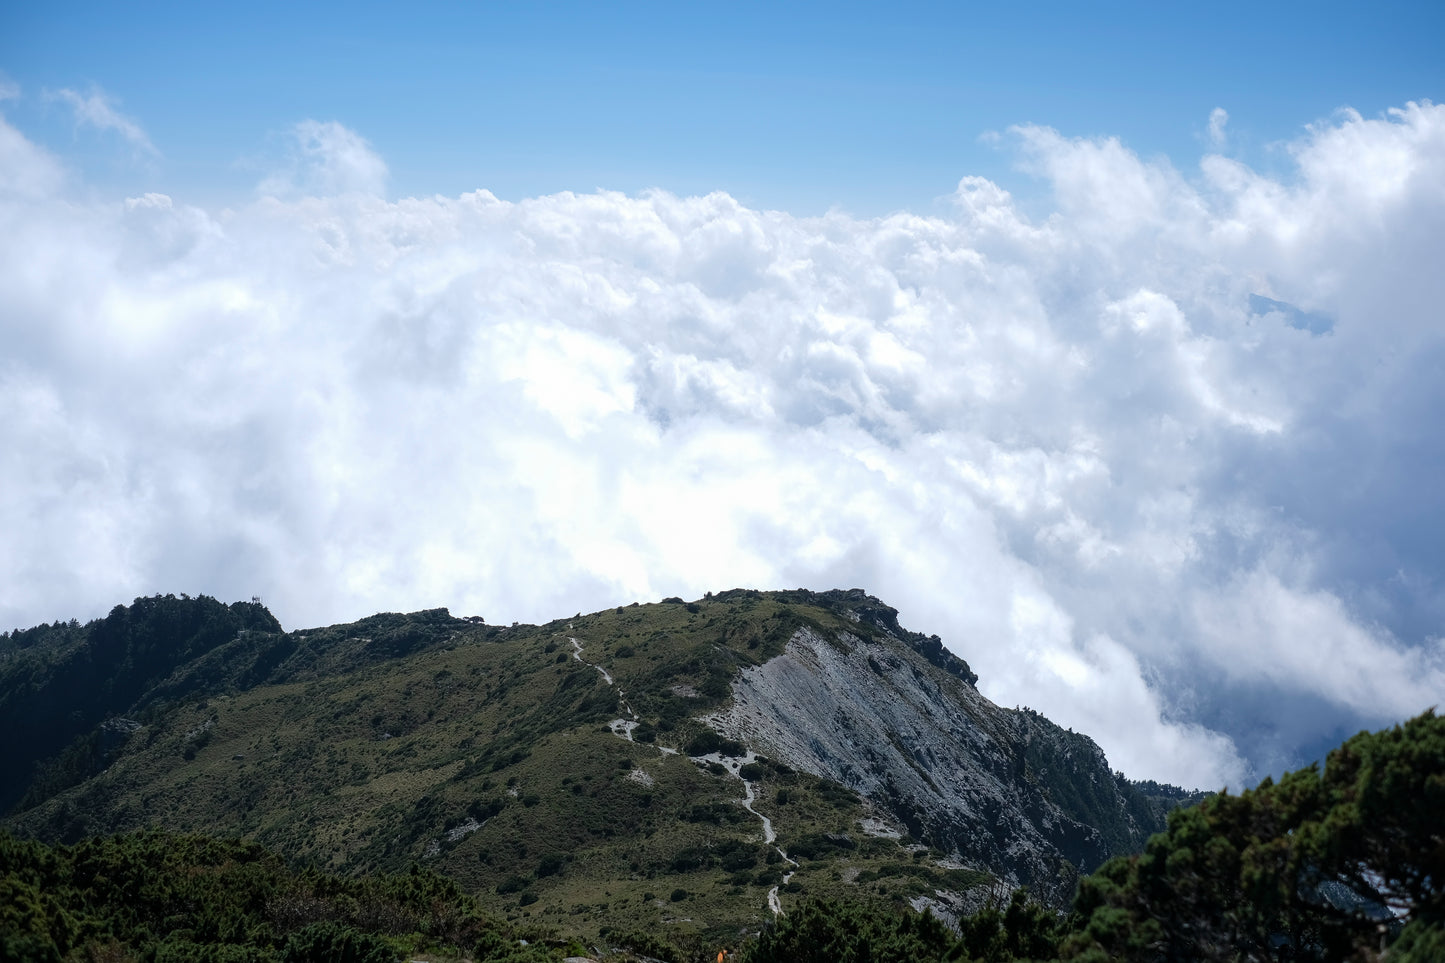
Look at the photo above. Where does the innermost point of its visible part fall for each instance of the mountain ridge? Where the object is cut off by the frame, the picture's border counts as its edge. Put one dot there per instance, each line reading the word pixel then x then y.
pixel 594 761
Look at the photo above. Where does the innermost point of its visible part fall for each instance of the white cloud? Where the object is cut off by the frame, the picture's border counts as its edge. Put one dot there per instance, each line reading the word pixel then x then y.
pixel 95 109
pixel 326 159
pixel 1258 628
pixel 1068 445
pixel 26 170
pixel 1218 136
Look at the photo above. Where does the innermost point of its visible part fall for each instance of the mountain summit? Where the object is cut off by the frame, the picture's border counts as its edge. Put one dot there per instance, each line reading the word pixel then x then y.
pixel 696 765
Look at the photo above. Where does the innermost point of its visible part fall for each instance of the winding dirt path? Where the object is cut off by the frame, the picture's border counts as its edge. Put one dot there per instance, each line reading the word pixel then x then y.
pixel 623 729
pixel 775 904
pixel 734 765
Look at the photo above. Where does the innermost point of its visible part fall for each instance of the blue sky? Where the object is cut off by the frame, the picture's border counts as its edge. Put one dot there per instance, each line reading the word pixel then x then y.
pixel 1102 340
pixel 868 107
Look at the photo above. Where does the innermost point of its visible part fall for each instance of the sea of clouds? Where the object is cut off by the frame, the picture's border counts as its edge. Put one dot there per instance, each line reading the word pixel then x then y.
pixel 1164 462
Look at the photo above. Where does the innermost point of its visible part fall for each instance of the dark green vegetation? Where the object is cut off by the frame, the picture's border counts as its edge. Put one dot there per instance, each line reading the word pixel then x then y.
pixel 163 897
pixel 486 753
pixel 829 932
pixel 1344 863
pixel 1329 863
pixel 478 751
pixel 59 682
pixel 502 763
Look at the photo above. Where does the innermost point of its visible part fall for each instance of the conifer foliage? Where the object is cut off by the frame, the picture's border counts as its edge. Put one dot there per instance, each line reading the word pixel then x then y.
pixel 830 932
pixel 1340 862
pixel 1323 865
pixel 167 897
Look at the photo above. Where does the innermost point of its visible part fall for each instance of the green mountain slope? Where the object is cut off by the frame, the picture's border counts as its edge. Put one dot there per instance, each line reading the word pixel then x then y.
pixel 59 682
pixel 593 771
pixel 1343 862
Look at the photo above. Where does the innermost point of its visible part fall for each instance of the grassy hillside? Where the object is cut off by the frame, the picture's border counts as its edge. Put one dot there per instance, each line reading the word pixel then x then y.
pixel 469 783
pixel 488 754
pixel 560 769
pixel 1343 862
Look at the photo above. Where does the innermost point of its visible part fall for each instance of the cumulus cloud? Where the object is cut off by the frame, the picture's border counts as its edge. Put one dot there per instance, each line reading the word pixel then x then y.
pixel 96 109
pixel 1257 628
pixel 1099 452
pixel 26 170
pixel 1218 136
pixel 325 159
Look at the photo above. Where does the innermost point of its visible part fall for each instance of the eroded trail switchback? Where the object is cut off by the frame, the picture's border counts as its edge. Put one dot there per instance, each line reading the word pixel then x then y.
pixel 623 729
pixel 734 765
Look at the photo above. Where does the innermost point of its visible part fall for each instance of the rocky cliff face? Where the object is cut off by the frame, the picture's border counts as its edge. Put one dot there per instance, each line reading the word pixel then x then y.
pixel 1003 789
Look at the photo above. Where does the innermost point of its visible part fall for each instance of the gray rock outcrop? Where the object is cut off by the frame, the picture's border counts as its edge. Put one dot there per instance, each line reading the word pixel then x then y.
pixel 1005 790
